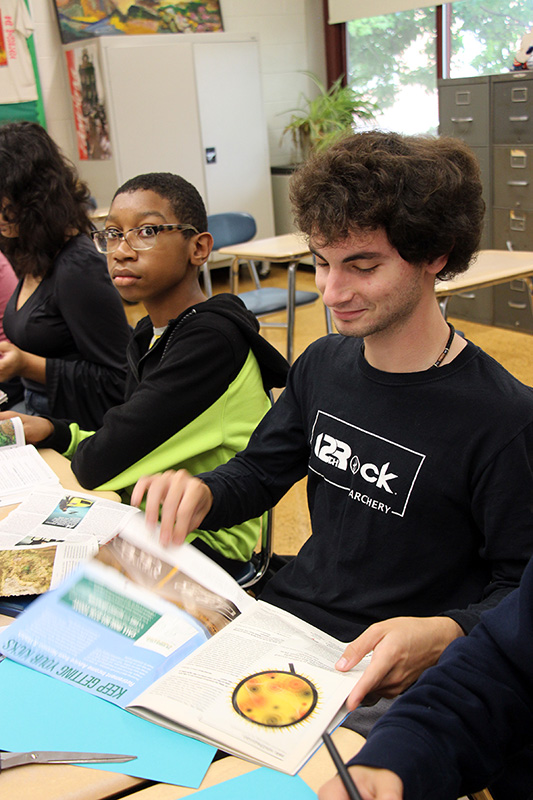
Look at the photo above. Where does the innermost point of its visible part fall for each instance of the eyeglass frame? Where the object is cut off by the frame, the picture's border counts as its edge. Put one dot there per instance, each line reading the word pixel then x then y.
pixel 122 236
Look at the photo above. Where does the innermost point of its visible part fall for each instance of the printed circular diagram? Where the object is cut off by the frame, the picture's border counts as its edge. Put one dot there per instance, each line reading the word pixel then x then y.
pixel 275 698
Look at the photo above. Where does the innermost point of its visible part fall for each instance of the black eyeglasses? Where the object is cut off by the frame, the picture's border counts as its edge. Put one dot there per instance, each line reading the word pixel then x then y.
pixel 141 238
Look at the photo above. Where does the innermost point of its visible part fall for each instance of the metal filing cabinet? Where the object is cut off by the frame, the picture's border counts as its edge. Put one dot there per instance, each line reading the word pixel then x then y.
pixel 464 112
pixel 494 115
pixel 512 161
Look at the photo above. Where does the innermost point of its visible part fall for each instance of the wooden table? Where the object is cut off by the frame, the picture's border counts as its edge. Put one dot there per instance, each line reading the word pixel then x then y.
pixel 317 771
pixel 63 782
pixel 489 269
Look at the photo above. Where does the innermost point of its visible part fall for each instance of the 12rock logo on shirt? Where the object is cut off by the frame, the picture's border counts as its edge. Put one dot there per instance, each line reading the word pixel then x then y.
pixel 373 470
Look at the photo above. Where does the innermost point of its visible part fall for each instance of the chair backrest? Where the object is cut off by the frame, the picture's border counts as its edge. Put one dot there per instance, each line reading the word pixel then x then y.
pixel 256 568
pixel 231 227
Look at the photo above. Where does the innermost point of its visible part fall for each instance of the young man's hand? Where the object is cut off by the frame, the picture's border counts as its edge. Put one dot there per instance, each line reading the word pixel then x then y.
pixel 373 784
pixel 403 648
pixel 182 500
pixel 36 429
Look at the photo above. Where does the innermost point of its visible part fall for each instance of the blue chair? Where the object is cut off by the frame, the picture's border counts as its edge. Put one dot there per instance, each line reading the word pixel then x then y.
pixel 226 229
pixel 234 228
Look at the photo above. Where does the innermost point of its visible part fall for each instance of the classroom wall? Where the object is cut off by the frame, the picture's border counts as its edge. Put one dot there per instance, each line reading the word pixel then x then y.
pixel 291 40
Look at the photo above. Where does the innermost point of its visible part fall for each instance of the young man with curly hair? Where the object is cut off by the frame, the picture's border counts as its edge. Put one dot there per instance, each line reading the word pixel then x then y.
pixel 417 446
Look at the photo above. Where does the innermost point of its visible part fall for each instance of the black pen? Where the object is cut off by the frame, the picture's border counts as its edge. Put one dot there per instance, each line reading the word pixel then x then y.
pixel 342 769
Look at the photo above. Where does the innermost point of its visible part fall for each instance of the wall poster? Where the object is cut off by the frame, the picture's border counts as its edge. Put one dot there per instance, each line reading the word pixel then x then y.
pixel 82 19
pixel 86 87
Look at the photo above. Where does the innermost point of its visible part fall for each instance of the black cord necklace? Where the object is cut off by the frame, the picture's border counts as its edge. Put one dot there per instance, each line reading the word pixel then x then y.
pixel 446 350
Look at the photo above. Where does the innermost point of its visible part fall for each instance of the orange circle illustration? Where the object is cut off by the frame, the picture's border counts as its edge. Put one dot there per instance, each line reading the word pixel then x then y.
pixel 275 698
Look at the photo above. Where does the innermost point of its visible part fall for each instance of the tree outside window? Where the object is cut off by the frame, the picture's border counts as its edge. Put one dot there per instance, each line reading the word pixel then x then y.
pixel 393 58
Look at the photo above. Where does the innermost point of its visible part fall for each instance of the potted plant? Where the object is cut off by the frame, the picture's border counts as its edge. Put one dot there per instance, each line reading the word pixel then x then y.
pixel 323 118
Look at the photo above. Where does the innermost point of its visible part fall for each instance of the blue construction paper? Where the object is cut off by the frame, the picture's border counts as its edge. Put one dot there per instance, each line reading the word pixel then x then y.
pixel 39 712
pixel 260 784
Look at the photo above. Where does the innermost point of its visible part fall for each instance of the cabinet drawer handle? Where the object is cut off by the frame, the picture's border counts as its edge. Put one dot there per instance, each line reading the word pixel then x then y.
pixel 519 306
pixel 462 119
pixel 517 183
pixel 467 295
pixel 519 119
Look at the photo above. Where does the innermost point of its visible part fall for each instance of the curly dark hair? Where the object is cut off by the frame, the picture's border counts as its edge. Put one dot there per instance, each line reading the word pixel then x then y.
pixel 184 198
pixel 425 192
pixel 41 194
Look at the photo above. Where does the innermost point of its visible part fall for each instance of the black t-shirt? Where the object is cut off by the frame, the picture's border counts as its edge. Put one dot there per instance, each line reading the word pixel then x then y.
pixel 75 319
pixel 419 487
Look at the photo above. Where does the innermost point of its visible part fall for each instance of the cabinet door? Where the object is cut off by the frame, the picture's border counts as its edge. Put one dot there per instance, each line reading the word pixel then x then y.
pixel 512 229
pixel 512 306
pixel 233 131
pixel 464 110
pixel 153 108
pixel 476 306
pixel 512 110
pixel 513 176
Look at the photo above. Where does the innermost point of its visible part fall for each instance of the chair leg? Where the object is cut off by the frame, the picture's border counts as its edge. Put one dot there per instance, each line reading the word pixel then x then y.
pixel 253 274
pixel 291 308
pixel 208 286
pixel 329 322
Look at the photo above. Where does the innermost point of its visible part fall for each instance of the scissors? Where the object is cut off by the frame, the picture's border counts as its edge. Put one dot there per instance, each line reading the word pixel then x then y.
pixel 8 760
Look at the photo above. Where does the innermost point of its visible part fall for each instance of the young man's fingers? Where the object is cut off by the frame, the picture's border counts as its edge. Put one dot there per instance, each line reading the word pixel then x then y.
pixel 358 649
pixel 186 502
pixel 370 681
pixel 139 490
pixel 193 505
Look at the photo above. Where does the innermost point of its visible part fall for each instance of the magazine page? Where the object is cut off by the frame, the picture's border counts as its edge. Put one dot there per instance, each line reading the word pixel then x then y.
pixel 22 469
pixel 121 620
pixel 34 569
pixel 265 688
pixel 50 533
pixel 58 514
pixel 12 432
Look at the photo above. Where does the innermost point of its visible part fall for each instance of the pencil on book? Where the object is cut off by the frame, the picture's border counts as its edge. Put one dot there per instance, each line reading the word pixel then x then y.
pixel 342 769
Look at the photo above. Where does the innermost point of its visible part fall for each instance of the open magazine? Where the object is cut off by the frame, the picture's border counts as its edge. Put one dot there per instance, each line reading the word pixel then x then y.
pixel 22 468
pixel 168 635
pixel 50 533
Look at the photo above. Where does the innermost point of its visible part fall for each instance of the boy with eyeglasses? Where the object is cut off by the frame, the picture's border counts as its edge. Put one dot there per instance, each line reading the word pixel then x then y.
pixel 198 370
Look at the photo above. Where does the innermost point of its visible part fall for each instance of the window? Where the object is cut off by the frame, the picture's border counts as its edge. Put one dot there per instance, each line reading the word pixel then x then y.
pixel 392 59
pixel 486 34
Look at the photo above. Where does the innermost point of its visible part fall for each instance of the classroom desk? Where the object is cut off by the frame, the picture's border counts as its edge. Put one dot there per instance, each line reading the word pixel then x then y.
pixel 489 269
pixel 289 248
pixel 317 771
pixel 63 782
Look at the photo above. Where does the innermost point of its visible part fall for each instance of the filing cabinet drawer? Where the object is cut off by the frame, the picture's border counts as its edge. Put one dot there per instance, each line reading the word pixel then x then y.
pixel 514 226
pixel 476 306
pixel 464 110
pixel 512 109
pixel 512 306
pixel 513 176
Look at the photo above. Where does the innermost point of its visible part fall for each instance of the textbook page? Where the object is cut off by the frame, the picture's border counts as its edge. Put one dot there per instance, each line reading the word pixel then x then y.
pixel 265 688
pixel 21 470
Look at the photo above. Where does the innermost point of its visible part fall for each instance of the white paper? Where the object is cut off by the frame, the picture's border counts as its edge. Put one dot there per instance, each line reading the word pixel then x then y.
pixel 21 470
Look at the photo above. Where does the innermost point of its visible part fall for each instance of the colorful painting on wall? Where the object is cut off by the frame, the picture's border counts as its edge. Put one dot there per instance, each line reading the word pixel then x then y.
pixel 81 19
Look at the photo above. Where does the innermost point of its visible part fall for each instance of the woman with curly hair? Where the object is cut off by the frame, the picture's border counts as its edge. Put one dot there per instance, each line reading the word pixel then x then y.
pixel 65 322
